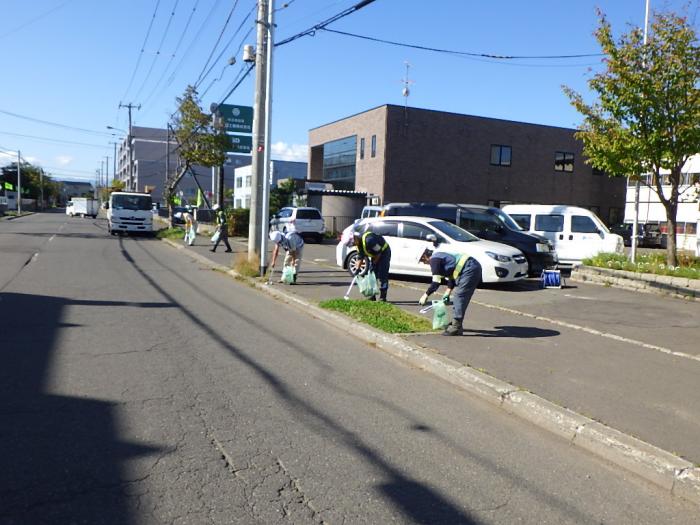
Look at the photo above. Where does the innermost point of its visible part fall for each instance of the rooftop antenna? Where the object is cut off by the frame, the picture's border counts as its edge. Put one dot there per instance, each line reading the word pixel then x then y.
pixel 406 92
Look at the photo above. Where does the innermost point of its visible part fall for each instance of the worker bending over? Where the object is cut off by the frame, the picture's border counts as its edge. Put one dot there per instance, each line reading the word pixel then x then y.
pixel 461 274
pixel 293 245
pixel 375 248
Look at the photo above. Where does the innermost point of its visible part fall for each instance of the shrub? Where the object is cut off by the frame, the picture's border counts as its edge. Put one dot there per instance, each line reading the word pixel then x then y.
pixel 238 220
pixel 688 265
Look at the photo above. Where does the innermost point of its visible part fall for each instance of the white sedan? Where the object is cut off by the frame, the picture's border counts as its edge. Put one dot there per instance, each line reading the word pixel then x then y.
pixel 408 237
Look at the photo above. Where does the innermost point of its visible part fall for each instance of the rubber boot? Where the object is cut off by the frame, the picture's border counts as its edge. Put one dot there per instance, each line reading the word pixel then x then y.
pixel 382 294
pixel 454 328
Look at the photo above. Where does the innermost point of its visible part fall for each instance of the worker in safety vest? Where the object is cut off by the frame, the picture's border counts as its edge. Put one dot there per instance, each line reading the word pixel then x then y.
pixel 461 274
pixel 375 248
pixel 293 245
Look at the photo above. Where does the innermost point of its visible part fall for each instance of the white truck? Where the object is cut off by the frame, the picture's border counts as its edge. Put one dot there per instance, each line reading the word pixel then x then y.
pixel 130 213
pixel 82 207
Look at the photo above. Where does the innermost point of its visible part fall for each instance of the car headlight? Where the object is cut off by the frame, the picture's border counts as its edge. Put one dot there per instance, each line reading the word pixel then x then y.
pixel 542 247
pixel 498 257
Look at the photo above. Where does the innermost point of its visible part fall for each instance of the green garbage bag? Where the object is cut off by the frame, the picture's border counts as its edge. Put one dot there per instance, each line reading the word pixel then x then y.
pixel 440 317
pixel 288 274
pixel 368 284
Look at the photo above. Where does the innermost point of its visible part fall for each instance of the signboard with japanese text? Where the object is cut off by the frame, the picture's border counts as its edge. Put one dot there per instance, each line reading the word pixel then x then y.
pixel 240 143
pixel 237 119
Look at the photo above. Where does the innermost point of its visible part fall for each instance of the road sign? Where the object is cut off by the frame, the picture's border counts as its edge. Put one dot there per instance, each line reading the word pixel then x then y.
pixel 237 119
pixel 240 143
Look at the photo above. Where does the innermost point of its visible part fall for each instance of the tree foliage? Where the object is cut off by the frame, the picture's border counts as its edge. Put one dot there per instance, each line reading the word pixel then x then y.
pixel 199 141
pixel 647 114
pixel 34 180
pixel 281 195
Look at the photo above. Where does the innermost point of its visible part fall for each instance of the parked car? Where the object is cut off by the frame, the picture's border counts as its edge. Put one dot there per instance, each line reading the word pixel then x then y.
pixel 577 233
pixel 306 221
pixel 408 238
pixel 492 224
pixel 371 211
pixel 487 223
pixel 624 230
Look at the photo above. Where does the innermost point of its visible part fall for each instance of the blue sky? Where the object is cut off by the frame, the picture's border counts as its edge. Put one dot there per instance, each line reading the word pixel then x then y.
pixel 71 62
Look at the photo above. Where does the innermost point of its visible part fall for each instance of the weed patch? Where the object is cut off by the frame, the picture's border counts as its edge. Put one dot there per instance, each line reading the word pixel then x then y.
pixel 383 316
pixel 245 267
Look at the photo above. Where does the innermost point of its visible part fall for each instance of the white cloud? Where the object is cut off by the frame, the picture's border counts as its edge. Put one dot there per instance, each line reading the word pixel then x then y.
pixel 63 160
pixel 284 151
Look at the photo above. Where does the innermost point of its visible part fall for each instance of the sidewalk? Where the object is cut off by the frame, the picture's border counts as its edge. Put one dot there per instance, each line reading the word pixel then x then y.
pixel 609 371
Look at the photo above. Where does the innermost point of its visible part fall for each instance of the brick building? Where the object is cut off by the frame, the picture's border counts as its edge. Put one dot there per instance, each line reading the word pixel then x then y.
pixel 398 154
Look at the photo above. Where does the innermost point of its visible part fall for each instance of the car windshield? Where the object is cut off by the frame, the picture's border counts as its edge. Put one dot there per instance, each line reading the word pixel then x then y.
pixel 505 219
pixel 453 232
pixel 131 202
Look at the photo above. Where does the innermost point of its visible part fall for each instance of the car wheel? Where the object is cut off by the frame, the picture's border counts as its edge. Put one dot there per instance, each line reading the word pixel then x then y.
pixel 356 265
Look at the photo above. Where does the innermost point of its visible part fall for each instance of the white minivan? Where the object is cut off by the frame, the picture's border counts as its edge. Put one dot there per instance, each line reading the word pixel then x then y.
pixel 577 233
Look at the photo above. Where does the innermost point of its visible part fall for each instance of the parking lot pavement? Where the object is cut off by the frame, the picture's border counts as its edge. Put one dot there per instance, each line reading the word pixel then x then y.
pixel 628 360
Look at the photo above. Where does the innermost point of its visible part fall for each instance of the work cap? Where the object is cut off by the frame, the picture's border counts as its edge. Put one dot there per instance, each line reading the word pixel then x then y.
pixel 275 236
pixel 215 207
pixel 428 253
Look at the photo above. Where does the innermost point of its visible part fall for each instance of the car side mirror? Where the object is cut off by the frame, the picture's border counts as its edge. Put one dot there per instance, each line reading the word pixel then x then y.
pixel 432 238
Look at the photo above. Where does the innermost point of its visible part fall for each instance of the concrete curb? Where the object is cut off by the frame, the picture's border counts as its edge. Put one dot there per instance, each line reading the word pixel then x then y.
pixel 681 288
pixel 673 474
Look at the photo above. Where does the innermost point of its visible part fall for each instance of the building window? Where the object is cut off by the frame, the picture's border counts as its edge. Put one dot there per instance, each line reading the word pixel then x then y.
pixel 247 202
pixel 238 203
pixel 500 155
pixel 339 157
pixel 374 146
pixel 362 148
pixel 248 181
pixel 563 161
pixel 239 182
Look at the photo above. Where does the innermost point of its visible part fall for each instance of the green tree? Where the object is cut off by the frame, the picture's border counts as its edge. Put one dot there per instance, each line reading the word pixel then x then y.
pixel 281 195
pixel 647 114
pixel 198 140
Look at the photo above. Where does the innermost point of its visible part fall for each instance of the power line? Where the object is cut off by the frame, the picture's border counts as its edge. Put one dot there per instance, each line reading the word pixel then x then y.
pixel 143 47
pixel 191 44
pixel 213 64
pixel 36 19
pixel 47 139
pixel 321 25
pixel 160 46
pixel 170 60
pixel 461 53
pixel 48 123
pixel 216 44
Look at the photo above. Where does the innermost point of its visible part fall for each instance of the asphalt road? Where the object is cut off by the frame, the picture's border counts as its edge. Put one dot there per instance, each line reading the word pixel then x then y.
pixel 138 387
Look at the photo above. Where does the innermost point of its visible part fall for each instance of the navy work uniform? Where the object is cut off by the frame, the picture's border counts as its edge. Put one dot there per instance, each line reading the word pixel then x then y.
pixel 461 274
pixel 375 247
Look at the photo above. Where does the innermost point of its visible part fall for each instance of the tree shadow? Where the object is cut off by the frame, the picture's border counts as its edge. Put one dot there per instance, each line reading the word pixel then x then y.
pixel 415 500
pixel 61 455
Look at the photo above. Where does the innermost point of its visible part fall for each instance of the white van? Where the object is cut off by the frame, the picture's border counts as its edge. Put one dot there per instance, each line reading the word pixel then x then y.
pixel 576 233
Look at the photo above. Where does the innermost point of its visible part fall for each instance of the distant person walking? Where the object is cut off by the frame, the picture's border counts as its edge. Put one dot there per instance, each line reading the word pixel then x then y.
pixel 375 248
pixel 293 245
pixel 461 274
pixel 221 228
pixel 190 227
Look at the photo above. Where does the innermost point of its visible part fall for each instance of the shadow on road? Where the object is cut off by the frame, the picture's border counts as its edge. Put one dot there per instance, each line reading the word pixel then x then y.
pixel 520 332
pixel 61 455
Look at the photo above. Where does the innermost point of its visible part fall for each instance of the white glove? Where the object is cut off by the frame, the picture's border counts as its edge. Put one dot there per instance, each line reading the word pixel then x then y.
pixel 423 299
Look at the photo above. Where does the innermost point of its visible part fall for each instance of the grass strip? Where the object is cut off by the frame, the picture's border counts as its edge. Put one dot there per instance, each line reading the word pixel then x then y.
pixel 383 316
pixel 171 233
pixel 688 265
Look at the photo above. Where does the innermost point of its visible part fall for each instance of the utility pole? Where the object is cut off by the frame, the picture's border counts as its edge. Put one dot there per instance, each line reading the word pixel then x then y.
pixel 635 222
pixel 106 179
pixel 258 222
pixel 132 183
pixel 41 188
pixel 19 183
pixel 167 162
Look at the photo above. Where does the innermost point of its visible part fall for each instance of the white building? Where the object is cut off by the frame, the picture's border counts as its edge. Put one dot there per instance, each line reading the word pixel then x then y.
pixel 279 170
pixel 651 211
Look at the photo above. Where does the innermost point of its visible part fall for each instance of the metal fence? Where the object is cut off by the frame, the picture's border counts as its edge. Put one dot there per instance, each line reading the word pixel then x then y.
pixel 337 223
